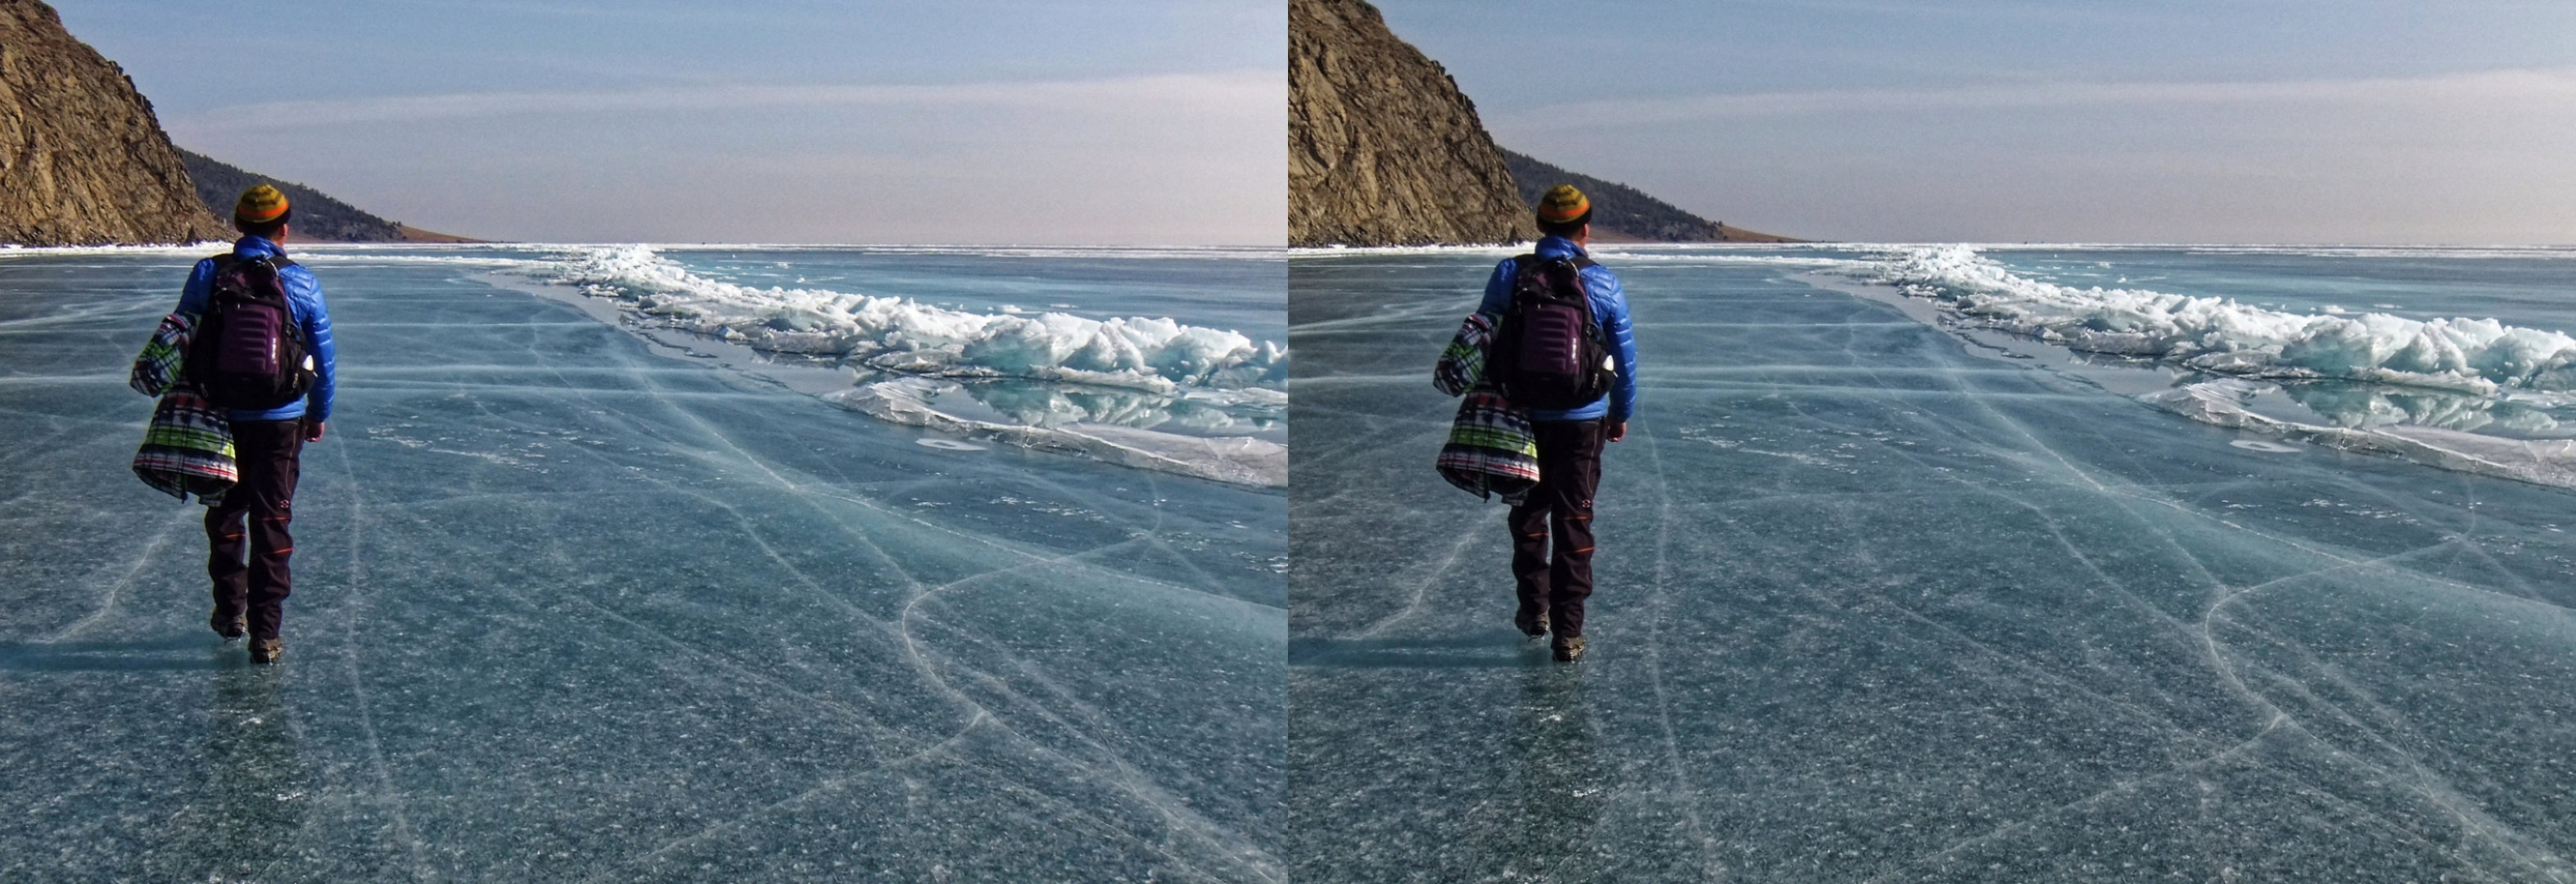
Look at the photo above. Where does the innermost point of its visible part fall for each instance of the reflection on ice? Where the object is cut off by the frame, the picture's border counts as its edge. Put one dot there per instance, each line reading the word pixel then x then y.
pixel 2374 422
pixel 1053 405
pixel 2358 405
pixel 1109 426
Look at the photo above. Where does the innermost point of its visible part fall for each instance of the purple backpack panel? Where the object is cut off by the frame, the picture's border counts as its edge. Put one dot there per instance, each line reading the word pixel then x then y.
pixel 249 353
pixel 1549 350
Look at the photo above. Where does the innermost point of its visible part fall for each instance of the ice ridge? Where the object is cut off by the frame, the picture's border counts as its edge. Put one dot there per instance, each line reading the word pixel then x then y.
pixel 897 334
pixel 2478 356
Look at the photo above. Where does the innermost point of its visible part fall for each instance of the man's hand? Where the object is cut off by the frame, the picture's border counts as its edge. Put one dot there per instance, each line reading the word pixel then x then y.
pixel 1618 431
pixel 312 431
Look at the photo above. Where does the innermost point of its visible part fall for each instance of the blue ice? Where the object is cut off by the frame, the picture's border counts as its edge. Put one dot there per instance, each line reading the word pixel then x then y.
pixel 572 605
pixel 1881 602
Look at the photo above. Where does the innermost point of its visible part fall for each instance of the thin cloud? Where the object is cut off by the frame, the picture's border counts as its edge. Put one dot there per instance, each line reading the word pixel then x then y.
pixel 2537 88
pixel 1224 91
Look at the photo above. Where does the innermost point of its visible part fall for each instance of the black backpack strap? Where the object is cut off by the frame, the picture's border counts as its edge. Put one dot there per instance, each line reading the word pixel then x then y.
pixel 1531 265
pixel 1523 267
pixel 1578 262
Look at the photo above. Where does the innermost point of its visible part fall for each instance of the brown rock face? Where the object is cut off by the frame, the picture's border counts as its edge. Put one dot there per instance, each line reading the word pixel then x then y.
pixel 1382 147
pixel 82 159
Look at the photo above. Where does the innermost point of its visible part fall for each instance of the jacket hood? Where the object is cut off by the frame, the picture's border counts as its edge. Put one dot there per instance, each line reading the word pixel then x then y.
pixel 1553 246
pixel 257 247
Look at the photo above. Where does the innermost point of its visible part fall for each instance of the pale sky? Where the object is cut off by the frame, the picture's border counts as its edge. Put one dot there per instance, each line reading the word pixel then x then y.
pixel 990 121
pixel 2296 121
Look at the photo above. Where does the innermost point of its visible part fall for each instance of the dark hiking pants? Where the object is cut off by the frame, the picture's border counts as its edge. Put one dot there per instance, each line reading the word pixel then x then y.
pixel 1557 580
pixel 251 576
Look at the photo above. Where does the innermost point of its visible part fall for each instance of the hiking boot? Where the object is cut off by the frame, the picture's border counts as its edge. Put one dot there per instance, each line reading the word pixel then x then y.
pixel 267 650
pixel 1531 622
pixel 230 626
pixel 1569 650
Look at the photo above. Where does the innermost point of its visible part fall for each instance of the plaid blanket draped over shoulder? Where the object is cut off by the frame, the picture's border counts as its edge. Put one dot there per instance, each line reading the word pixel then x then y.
pixel 1462 363
pixel 1491 450
pixel 188 447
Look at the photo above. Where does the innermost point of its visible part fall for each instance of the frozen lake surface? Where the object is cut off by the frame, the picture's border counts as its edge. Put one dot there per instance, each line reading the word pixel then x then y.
pixel 574 604
pixel 1887 594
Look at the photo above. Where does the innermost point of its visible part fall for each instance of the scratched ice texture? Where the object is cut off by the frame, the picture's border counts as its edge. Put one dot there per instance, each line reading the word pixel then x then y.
pixel 572 606
pixel 1886 597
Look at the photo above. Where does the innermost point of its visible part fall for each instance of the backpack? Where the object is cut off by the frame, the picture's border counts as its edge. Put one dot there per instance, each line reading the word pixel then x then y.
pixel 248 351
pixel 1548 352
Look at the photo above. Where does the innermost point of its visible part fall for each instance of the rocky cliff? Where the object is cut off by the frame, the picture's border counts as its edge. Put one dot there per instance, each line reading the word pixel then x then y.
pixel 82 159
pixel 1382 147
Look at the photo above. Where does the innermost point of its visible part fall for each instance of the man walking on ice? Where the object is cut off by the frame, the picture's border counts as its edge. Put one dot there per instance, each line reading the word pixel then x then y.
pixel 1563 350
pixel 262 351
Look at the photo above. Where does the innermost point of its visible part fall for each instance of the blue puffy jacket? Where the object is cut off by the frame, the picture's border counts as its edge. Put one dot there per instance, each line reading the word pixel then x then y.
pixel 1609 308
pixel 304 299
